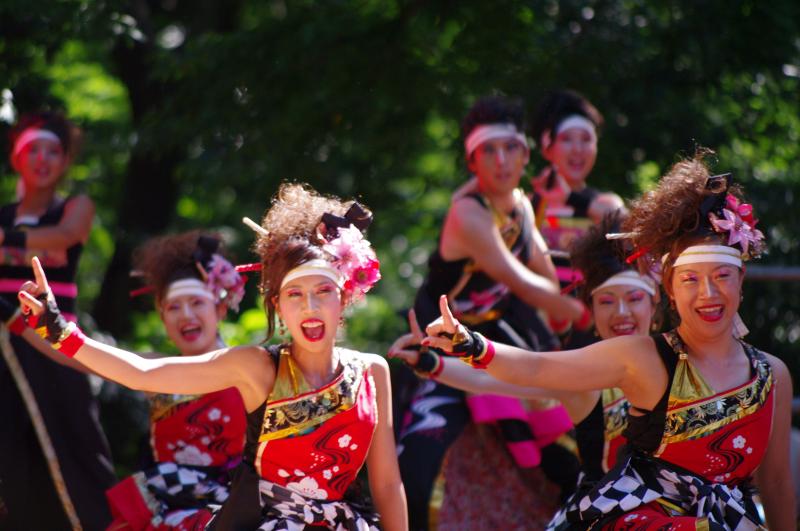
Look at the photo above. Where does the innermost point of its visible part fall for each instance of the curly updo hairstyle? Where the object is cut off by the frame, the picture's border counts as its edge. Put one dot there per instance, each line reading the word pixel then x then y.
pixel 558 105
pixel 668 219
pixel 596 257
pixel 292 237
pixel 67 132
pixel 165 259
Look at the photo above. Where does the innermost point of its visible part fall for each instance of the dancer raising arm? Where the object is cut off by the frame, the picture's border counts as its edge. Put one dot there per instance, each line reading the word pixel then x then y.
pixel 622 301
pixel 195 440
pixel 709 413
pixel 316 412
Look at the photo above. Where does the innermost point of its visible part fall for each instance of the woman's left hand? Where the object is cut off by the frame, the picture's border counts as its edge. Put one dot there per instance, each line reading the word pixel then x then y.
pixel 30 294
pixel 406 347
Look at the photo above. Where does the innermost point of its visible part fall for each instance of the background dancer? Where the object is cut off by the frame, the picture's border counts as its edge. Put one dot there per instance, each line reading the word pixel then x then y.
pixel 489 251
pixel 195 440
pixel 710 414
pixel 54 459
pixel 566 128
pixel 623 302
pixel 316 412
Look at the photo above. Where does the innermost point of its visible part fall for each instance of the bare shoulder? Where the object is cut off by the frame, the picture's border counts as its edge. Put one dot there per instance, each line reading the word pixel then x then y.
pixel 81 203
pixel 779 369
pixel 372 361
pixel 466 212
pixel 624 345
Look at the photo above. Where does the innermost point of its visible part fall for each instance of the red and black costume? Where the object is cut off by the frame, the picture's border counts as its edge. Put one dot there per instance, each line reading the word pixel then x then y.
pixel 304 449
pixel 196 441
pixel 691 459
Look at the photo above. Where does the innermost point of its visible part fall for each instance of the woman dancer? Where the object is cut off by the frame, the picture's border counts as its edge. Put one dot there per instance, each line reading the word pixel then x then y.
pixel 54 459
pixel 622 301
pixel 492 261
pixel 566 128
pixel 316 412
pixel 709 413
pixel 196 440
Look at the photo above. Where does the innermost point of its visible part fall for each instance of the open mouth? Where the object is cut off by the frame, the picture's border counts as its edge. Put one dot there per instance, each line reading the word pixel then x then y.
pixel 191 332
pixel 711 313
pixel 624 329
pixel 313 329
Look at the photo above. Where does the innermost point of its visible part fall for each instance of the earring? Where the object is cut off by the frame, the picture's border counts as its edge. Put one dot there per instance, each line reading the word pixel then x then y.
pixel 281 327
pixel 672 304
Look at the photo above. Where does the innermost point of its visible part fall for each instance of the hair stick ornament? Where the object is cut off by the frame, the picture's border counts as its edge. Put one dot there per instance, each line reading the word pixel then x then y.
pixel 255 226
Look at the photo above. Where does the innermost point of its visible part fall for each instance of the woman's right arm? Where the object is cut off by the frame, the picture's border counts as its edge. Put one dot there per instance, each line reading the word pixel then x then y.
pixel 474 234
pixel 457 374
pixel 630 363
pixel 228 367
pixel 244 367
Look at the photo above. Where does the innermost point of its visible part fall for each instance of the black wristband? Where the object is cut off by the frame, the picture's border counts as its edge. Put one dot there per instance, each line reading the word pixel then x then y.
pixel 51 319
pixel 427 361
pixel 15 238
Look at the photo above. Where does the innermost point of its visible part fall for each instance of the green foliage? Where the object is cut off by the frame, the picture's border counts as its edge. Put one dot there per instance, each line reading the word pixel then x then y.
pixel 365 99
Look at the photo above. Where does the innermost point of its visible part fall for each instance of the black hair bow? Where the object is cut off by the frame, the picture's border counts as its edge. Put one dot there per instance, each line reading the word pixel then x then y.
pixel 206 247
pixel 718 186
pixel 356 215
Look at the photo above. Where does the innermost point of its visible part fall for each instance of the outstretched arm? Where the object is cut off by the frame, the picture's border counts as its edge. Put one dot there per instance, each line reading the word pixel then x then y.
pixel 241 367
pixel 457 374
pixel 630 363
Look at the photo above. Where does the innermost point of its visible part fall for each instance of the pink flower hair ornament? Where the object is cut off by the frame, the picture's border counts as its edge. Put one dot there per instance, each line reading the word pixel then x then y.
pixel 737 220
pixel 353 257
pixel 225 282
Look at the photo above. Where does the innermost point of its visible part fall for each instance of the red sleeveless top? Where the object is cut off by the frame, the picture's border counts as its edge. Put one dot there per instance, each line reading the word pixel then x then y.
pixel 314 441
pixel 198 430
pixel 721 436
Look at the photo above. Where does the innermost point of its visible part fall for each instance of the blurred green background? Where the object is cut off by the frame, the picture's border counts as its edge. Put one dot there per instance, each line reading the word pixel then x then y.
pixel 194 112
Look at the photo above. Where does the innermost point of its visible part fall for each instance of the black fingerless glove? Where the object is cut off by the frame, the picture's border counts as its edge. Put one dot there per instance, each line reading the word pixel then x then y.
pixel 471 347
pixel 63 335
pixel 429 364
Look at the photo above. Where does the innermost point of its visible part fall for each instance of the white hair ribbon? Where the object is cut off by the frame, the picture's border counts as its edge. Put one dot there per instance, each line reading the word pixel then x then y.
pixel 317 266
pixel 573 121
pixel 486 132
pixel 628 278
pixel 697 254
pixel 188 286
pixel 30 135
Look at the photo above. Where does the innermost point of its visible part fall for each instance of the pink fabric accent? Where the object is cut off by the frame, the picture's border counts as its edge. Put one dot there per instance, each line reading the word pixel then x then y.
pixel 567 274
pixel 525 453
pixel 491 408
pixel 61 289
pixel 549 424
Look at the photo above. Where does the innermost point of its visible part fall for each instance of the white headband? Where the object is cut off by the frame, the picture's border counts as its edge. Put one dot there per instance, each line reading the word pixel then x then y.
pixel 188 286
pixel 573 121
pixel 697 254
pixel 317 266
pixel 628 278
pixel 482 133
pixel 30 135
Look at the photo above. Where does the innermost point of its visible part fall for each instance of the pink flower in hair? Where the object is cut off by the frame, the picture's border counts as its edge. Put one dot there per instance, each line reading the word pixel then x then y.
pixel 226 284
pixel 739 231
pixel 355 259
